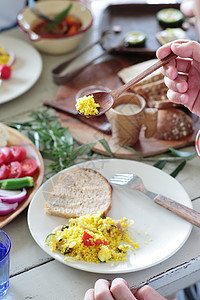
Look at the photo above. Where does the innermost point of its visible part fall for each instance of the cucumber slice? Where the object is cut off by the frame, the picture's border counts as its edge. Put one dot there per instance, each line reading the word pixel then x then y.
pixel 135 39
pixel 170 17
pixel 49 238
pixel 104 254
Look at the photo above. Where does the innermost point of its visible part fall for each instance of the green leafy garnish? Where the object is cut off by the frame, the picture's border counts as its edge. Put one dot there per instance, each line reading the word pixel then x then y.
pixel 55 142
pixel 183 154
pixel 58 19
pixel 178 169
pixel 160 164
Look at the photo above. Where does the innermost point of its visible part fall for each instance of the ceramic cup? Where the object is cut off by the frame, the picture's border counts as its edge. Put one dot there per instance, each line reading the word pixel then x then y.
pixel 5 246
pixel 127 121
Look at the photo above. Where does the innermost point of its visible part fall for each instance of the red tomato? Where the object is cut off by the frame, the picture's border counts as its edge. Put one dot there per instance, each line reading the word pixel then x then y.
pixel 4 172
pixel 87 239
pixel 18 153
pixel 2 158
pixel 100 242
pixel 15 169
pixel 8 154
pixel 29 167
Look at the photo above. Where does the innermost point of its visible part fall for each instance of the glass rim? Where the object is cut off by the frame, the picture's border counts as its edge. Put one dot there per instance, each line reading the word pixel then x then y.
pixel 9 244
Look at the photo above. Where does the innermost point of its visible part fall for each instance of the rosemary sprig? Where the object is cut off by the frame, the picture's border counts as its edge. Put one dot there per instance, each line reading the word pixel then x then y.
pixel 54 142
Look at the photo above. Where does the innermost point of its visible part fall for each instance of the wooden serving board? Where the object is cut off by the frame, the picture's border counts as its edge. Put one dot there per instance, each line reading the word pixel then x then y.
pixel 105 74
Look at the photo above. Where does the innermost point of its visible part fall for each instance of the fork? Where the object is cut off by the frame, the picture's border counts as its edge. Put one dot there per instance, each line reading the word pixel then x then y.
pixel 135 182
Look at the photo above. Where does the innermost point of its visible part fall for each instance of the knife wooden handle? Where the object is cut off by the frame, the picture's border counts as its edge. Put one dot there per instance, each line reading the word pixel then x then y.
pixel 181 210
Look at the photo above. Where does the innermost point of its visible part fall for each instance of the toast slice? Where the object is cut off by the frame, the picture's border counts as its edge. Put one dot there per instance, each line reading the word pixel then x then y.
pixel 79 192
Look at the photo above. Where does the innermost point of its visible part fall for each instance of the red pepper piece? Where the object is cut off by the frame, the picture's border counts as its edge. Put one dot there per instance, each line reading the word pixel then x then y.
pixel 87 239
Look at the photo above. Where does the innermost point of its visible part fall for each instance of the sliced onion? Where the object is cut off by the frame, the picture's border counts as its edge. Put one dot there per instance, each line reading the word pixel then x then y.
pixel 6 193
pixel 6 208
pixel 12 58
pixel 12 198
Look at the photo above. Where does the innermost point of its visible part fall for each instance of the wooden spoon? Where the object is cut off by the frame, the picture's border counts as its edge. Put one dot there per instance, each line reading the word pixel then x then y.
pixel 106 99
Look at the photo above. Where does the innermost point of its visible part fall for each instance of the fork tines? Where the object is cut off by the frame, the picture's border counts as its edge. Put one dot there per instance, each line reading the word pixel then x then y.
pixel 121 178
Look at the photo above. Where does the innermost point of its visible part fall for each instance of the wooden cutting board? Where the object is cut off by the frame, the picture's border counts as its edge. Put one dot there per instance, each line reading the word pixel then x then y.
pixel 105 74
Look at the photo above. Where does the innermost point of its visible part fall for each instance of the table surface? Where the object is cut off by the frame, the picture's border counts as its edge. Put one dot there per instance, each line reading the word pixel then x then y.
pixel 34 274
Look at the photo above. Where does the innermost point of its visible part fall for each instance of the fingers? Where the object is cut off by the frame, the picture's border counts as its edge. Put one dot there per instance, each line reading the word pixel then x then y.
pixel 166 49
pixel 177 98
pixel 89 295
pixel 182 48
pixel 148 293
pixel 179 85
pixel 188 50
pixel 102 290
pixel 120 290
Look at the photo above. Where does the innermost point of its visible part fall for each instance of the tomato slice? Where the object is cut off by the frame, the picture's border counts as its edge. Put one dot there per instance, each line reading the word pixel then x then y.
pixel 8 154
pixel 15 169
pixel 2 158
pixel 29 167
pixel 4 172
pixel 87 239
pixel 18 153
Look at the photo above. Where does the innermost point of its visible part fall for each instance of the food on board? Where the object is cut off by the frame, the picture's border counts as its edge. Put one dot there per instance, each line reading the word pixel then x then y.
pixel 152 88
pixel 15 164
pixel 78 192
pixel 4 136
pixel 16 183
pixel 173 124
pixel 93 238
pixel 170 17
pixel 135 39
pixel 87 106
pixel 13 192
pixel 6 208
pixel 171 34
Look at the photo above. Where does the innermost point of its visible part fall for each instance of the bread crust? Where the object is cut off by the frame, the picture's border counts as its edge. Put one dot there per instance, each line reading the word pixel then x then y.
pixel 78 192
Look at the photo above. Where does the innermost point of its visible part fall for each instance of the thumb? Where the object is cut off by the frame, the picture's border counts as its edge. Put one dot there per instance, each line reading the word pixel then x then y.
pixel 189 49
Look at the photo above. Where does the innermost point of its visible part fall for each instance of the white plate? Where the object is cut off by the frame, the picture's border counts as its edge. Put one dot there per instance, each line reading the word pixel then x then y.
pixel 25 71
pixel 167 231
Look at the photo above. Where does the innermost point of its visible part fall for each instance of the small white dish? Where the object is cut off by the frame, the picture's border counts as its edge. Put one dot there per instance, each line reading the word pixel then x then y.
pixel 25 71
pixel 55 44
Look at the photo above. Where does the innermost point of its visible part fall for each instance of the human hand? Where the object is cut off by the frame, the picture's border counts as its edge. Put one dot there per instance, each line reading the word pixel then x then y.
pixel 187 7
pixel 183 88
pixel 119 290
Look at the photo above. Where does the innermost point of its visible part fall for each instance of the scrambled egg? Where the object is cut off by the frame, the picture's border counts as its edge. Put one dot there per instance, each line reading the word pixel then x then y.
pixel 87 106
pixel 93 239
pixel 4 57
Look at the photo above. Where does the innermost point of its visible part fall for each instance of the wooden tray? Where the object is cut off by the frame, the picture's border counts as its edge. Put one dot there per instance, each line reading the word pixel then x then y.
pixel 105 74
pixel 139 17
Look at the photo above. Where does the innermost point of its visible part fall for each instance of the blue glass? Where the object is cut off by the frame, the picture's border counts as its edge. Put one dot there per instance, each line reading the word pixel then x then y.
pixel 5 246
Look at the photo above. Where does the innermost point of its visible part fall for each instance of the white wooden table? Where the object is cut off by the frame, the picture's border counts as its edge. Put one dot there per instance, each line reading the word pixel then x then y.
pixel 34 274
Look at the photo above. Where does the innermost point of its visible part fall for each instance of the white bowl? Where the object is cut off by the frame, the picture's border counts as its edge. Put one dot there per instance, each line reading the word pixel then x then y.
pixel 56 44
